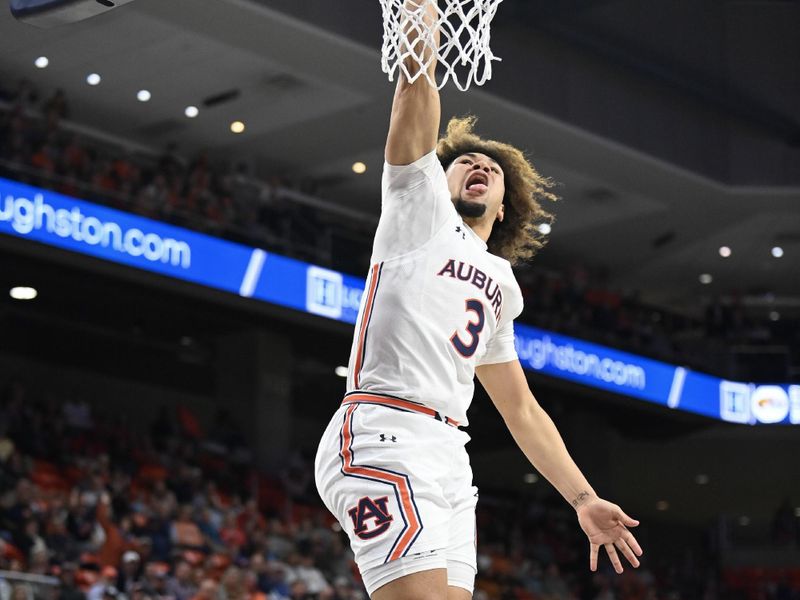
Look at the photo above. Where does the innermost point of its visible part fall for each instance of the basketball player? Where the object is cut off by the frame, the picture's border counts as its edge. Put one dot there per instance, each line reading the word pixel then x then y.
pixel 438 308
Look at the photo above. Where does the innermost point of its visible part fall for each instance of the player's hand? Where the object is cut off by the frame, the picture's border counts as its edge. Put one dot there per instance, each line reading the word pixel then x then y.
pixel 605 524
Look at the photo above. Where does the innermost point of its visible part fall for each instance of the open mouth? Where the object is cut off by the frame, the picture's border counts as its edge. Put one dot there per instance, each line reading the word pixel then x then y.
pixel 477 182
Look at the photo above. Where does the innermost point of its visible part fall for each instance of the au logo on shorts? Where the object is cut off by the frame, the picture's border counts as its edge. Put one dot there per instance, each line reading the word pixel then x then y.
pixel 370 517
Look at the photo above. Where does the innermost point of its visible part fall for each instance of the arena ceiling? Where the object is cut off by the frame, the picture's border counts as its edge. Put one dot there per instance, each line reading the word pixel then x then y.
pixel 671 128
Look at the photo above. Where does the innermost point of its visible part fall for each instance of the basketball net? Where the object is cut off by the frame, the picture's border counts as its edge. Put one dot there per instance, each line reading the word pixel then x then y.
pixel 463 53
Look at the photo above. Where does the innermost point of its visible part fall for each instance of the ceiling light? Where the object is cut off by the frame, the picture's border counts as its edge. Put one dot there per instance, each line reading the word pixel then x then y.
pixel 93 79
pixel 143 96
pixel 341 371
pixel 23 293
pixel 544 228
pixel 777 251
pixel 191 112
pixel 706 278
pixel 701 479
pixel 774 315
pixel 662 505
pixel 359 168
pixel 237 127
pixel 724 251
pixel 530 478
pixel 42 62
pixel 744 520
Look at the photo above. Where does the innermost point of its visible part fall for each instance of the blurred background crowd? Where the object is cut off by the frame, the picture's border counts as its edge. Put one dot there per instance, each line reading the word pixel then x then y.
pixel 91 508
pixel 43 148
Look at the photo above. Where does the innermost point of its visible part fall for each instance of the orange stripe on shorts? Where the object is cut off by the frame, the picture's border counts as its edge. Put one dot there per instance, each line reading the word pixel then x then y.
pixel 399 482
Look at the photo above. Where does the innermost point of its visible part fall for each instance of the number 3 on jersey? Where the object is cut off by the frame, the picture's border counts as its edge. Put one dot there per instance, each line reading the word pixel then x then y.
pixel 474 328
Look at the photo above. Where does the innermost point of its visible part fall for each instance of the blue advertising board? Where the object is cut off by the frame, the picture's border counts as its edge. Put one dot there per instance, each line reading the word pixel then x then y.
pixel 654 381
pixel 78 226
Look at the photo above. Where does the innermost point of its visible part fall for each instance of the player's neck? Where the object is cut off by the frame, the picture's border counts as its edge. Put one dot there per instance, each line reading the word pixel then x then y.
pixel 481 226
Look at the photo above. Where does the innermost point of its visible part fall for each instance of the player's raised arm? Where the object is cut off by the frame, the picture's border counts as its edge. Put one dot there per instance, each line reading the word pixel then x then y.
pixel 416 110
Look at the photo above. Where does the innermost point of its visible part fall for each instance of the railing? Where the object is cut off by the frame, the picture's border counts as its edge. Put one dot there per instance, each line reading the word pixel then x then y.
pixel 34 587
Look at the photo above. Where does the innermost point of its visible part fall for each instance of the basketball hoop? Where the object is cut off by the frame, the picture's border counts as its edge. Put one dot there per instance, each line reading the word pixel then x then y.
pixel 463 52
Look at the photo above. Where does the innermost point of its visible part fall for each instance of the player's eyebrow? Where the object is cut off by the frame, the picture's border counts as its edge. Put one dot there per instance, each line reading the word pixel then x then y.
pixel 473 155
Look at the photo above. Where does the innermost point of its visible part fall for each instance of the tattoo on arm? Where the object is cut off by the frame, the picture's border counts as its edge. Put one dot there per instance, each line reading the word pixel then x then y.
pixel 581 497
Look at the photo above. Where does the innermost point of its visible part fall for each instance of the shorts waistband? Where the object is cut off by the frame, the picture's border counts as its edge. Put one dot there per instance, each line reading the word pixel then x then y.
pixel 398 404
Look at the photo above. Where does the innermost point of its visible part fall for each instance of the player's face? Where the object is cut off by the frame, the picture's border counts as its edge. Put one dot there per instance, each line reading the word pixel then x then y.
pixel 477 186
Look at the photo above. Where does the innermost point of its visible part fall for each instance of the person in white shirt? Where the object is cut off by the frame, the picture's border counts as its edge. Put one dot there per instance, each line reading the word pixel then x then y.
pixel 438 309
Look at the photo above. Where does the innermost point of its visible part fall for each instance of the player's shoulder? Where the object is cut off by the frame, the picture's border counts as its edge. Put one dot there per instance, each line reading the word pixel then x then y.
pixel 425 168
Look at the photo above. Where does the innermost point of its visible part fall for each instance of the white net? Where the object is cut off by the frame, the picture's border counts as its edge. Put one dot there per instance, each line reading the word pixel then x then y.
pixel 463 55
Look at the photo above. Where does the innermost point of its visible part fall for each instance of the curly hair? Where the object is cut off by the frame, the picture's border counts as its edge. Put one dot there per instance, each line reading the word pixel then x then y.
pixel 517 237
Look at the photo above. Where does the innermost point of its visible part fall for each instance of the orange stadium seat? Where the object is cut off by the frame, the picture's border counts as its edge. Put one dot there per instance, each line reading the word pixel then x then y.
pixel 152 472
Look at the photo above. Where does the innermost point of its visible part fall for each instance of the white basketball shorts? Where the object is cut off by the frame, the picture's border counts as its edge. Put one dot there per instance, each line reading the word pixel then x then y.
pixel 400 483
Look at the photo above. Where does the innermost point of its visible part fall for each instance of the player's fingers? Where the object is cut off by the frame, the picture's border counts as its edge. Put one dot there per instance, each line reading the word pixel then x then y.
pixel 626 520
pixel 634 545
pixel 623 547
pixel 612 554
pixel 593 550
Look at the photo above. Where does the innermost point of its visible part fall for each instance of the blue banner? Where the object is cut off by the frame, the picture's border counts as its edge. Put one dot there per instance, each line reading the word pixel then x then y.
pixel 654 381
pixel 57 220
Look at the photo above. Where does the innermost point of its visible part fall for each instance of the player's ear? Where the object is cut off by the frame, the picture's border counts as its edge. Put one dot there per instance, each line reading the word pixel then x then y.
pixel 501 213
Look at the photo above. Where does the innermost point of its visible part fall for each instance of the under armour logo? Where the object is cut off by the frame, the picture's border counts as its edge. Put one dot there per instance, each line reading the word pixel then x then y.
pixel 383 438
pixel 463 235
pixel 370 509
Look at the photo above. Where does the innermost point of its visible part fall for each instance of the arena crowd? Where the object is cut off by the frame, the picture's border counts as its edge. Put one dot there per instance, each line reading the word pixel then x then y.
pixel 176 512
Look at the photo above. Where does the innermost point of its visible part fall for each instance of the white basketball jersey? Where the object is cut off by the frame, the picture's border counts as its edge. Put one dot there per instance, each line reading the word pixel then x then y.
pixel 436 303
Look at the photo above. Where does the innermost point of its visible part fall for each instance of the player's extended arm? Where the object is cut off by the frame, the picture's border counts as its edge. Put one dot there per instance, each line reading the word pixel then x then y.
pixel 416 109
pixel 603 522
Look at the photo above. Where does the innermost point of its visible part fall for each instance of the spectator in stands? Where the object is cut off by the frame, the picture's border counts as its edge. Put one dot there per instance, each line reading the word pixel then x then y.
pixel 185 533
pixel 231 534
pixel 180 585
pixel 108 577
pixel 208 590
pixel 233 585
pixel 272 579
pixel 303 570
pixel 22 591
pixel 67 587
pixel 130 574
pixel 155 581
pixel 81 521
pixel 298 591
pixel 28 539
